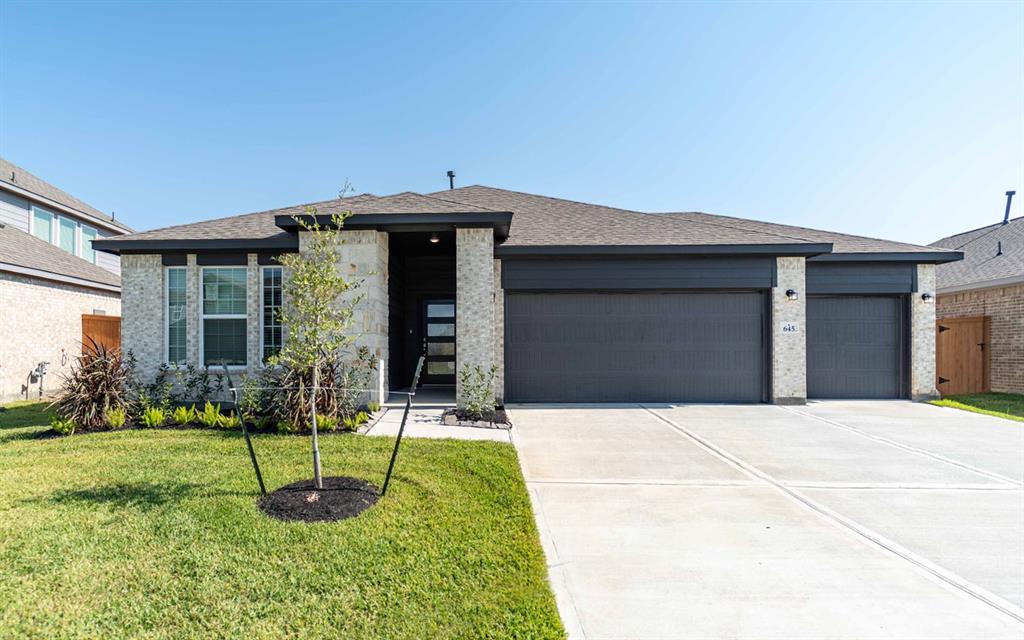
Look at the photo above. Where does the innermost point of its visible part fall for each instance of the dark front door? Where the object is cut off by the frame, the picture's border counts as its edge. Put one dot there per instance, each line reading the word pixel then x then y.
pixel 855 347
pixel 635 347
pixel 439 341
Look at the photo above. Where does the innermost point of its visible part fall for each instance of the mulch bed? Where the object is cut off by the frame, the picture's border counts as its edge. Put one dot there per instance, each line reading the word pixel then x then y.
pixel 459 418
pixel 342 497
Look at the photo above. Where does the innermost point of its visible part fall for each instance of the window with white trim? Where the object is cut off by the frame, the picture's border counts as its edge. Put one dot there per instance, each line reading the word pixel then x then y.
pixel 67 234
pixel 42 224
pixel 270 303
pixel 176 326
pixel 224 316
pixel 88 235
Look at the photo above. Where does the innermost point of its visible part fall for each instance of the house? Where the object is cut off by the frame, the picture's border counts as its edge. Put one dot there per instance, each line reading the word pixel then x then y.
pixel 570 302
pixel 52 280
pixel 980 308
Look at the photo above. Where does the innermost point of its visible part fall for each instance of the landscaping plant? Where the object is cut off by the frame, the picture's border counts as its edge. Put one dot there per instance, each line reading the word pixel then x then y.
pixel 477 392
pixel 63 426
pixel 229 421
pixel 209 417
pixel 153 417
pixel 115 418
pixel 96 383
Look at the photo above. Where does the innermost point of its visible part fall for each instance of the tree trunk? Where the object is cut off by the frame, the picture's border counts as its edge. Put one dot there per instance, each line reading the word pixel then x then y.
pixel 317 480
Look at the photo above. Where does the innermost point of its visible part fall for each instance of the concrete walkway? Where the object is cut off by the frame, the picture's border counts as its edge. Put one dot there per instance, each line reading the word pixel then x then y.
pixel 833 520
pixel 426 423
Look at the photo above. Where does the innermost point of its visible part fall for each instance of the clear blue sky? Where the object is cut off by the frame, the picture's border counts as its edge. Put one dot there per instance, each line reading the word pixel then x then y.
pixel 903 121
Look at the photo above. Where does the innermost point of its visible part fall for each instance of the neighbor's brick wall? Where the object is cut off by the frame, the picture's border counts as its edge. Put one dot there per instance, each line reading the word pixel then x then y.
pixel 474 293
pixel 789 350
pixel 41 321
pixel 922 337
pixel 142 333
pixel 1004 307
pixel 499 335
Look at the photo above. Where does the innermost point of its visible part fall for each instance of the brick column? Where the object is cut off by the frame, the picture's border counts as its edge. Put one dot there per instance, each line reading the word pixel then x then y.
pixel 922 336
pixel 253 335
pixel 142 312
pixel 192 310
pixel 789 337
pixel 499 335
pixel 474 301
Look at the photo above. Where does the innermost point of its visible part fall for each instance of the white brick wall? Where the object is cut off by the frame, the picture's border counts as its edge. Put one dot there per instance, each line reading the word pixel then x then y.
pixel 142 321
pixel 922 336
pixel 499 335
pixel 41 321
pixel 789 349
pixel 474 294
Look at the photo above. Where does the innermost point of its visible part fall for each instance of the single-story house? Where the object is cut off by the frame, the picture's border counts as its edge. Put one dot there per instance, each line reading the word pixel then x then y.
pixel 54 286
pixel 980 309
pixel 570 302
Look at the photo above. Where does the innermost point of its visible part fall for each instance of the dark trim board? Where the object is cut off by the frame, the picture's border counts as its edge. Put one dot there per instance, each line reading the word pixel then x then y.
pixel 922 257
pixel 500 221
pixel 664 273
pixel 861 278
pixel 783 249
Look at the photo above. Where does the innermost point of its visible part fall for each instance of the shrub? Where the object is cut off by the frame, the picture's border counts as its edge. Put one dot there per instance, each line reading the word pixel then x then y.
pixel 183 415
pixel 115 418
pixel 153 417
pixel 373 406
pixel 209 417
pixel 230 421
pixel 477 391
pixel 63 426
pixel 285 428
pixel 96 383
pixel 352 423
pixel 291 400
pixel 326 423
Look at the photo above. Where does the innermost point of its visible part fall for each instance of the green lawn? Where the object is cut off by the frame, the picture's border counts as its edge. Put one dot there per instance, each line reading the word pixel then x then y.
pixel 156 534
pixel 1003 405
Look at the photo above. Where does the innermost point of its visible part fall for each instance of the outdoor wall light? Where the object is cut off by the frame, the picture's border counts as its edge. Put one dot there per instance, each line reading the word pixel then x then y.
pixel 434 239
pixel 791 294
pixel 926 297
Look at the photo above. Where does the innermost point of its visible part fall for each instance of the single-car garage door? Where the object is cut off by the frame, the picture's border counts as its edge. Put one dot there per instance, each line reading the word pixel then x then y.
pixel 855 347
pixel 635 347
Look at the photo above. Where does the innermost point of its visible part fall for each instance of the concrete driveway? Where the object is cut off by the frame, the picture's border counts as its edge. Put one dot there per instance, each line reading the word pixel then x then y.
pixel 831 520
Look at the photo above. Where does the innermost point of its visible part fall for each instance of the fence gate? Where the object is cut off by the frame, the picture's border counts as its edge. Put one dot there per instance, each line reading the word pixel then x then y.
pixel 105 330
pixel 961 355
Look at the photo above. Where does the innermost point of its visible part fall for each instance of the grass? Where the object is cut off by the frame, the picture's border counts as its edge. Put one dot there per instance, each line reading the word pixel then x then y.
pixel 155 533
pixel 1002 405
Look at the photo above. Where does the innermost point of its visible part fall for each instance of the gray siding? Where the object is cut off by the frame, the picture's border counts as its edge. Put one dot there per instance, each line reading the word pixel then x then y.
pixel 108 261
pixel 14 210
pixel 860 277
pixel 637 273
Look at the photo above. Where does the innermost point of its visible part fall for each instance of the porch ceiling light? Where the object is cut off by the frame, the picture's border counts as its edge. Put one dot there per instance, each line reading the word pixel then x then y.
pixel 434 239
pixel 791 294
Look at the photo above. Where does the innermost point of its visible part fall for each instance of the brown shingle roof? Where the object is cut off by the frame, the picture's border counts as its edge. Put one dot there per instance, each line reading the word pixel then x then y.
pixel 12 174
pixel 21 249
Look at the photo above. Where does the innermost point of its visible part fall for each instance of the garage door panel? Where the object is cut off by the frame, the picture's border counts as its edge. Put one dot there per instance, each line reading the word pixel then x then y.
pixel 632 347
pixel 854 347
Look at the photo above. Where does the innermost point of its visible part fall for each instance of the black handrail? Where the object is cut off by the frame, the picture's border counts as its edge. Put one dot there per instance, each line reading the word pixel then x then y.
pixel 401 428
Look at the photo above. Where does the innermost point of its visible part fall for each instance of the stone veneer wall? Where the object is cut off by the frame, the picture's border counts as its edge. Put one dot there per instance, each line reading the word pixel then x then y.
pixel 41 321
pixel 922 336
pixel 789 350
pixel 1004 307
pixel 142 318
pixel 474 308
pixel 499 335
pixel 191 309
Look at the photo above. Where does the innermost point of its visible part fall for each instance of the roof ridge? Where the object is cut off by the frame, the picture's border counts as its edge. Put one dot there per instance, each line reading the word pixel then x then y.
pixel 433 197
pixel 543 197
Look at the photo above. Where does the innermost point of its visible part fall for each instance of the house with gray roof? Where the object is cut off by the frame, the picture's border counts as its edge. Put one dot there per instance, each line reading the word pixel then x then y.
pixel 567 301
pixel 981 309
pixel 52 280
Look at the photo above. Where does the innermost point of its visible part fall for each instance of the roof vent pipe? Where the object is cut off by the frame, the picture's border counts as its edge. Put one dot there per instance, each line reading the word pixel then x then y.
pixel 1009 198
pixel 451 182
pixel 999 248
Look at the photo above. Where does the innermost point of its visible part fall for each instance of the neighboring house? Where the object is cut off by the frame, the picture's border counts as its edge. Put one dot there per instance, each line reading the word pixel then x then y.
pixel 570 302
pixel 50 278
pixel 981 310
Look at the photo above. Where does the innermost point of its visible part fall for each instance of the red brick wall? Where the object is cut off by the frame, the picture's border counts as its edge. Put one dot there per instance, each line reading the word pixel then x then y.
pixel 1005 308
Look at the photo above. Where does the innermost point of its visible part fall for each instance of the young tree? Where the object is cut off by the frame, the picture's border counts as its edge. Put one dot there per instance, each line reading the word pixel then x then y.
pixel 317 313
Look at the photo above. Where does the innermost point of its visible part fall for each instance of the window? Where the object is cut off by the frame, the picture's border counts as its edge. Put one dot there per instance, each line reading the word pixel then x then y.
pixel 175 296
pixel 271 304
pixel 224 316
pixel 88 235
pixel 67 232
pixel 42 224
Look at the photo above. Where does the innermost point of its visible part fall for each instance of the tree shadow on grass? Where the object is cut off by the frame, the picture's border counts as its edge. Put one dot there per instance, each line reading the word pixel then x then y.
pixel 25 414
pixel 136 495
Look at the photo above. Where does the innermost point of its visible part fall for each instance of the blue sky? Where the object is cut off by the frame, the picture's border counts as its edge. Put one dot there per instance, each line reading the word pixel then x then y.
pixel 903 121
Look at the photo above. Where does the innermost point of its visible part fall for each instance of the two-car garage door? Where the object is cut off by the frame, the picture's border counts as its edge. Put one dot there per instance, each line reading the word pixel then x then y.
pixel 635 347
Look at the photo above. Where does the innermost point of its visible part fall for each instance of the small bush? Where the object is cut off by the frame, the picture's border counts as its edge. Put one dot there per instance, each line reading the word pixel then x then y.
pixel 153 417
pixel 286 428
pixel 115 418
pixel 352 423
pixel 97 382
pixel 183 415
pixel 477 391
pixel 362 417
pixel 230 421
pixel 374 407
pixel 209 417
pixel 326 423
pixel 63 426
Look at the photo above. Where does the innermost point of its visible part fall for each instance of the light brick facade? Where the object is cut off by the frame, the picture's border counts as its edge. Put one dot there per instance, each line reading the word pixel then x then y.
pixel 142 321
pixel 499 335
pixel 789 333
pixel 922 336
pixel 474 294
pixel 1004 307
pixel 41 321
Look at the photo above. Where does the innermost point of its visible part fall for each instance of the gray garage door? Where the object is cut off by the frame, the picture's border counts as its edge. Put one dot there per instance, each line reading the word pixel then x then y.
pixel 854 347
pixel 634 347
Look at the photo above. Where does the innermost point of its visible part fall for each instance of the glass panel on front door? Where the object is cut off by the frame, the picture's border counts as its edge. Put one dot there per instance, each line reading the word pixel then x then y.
pixel 439 341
